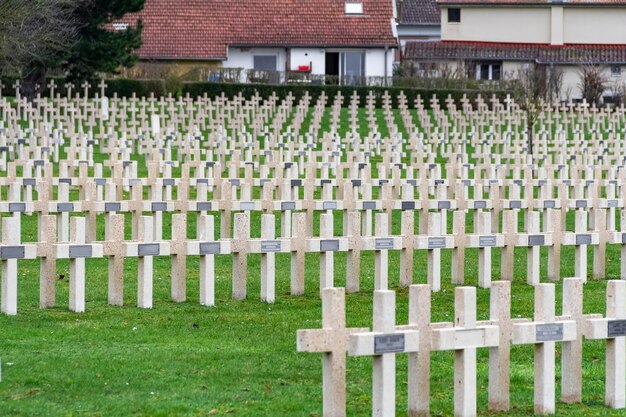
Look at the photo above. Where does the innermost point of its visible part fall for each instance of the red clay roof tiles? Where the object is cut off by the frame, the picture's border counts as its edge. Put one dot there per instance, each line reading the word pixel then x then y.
pixel 203 29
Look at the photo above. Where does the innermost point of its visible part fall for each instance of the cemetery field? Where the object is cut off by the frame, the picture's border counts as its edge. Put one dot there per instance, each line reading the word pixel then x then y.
pixel 239 358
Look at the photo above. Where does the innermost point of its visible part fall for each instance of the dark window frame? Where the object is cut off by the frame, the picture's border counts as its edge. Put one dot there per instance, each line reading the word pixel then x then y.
pixel 454 15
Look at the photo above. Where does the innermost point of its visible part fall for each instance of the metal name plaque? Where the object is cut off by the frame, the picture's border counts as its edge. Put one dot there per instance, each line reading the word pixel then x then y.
pixel 168 182
pixel 100 181
pixel 516 204
pixel 356 183
pixel 65 181
pixel 204 206
pixel 389 343
pixel 112 207
pixel 549 204
pixel 329 205
pixel 288 205
pixel 162 206
pixel 486 241
pixel 480 204
pixel 536 240
pixel 383 243
pixel 80 251
pixel 296 183
pixel 246 205
pixel 623 237
pixel 29 182
pixel 65 207
pixel 408 205
pixel 329 245
pixel 210 248
pixel 611 203
pixel 270 246
pixel 444 205
pixel 436 242
pixel 583 239
pixel 148 249
pixel 369 205
pixel 12 252
pixel 549 332
pixel 17 207
pixel 581 203
pixel 235 182
pixel 616 328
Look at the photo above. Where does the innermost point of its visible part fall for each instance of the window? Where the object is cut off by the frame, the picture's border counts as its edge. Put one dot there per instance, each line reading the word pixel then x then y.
pixel 265 62
pixel 488 71
pixel 354 7
pixel 119 27
pixel 616 70
pixel 353 67
pixel 454 15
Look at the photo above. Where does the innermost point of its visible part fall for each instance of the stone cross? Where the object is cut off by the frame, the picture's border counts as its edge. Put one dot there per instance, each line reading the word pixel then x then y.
pixel 327 263
pixel 381 256
pixel 178 251
pixel 464 338
pixel 543 333
pixel 51 86
pixel 102 85
pixel 298 247
pixel 10 251
pixel 114 249
pixel 240 244
pixel 268 258
pixel 332 342
pixel 572 351
pixel 46 251
pixel 77 250
pixel 145 253
pixel 383 343
pixel 613 330
pixel 533 240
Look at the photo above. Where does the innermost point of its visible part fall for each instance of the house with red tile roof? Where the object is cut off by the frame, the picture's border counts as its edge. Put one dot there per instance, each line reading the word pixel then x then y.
pixel 418 20
pixel 496 39
pixel 336 38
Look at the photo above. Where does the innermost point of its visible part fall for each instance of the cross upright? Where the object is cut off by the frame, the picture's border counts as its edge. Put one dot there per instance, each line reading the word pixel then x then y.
pixel 613 330
pixel 103 86
pixel 383 343
pixel 16 87
pixel 332 342
pixel 464 338
pixel 543 333
pixel 51 86
pixel 69 87
pixel 10 251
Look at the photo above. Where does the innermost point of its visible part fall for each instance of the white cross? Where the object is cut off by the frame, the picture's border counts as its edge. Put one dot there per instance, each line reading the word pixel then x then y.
pixel 383 343
pixel 464 338
pixel 543 333
pixel 613 330
pixel 332 342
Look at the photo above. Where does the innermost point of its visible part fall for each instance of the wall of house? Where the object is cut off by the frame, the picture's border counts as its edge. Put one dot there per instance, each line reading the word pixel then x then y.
pixel 603 25
pixel 499 24
pixel 244 57
pixel 309 56
pixel 187 70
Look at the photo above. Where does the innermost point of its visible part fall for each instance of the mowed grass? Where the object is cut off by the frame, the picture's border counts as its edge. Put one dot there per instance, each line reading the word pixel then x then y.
pixel 239 357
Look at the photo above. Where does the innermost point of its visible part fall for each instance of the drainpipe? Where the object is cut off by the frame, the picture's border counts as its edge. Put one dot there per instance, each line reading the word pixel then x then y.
pixel 386 53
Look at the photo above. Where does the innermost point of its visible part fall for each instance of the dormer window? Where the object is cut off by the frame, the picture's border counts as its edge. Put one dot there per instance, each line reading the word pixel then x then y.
pixel 354 7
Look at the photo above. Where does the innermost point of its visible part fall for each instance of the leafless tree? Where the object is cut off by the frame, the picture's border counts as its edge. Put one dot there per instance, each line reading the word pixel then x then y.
pixel 32 32
pixel 593 83
pixel 530 93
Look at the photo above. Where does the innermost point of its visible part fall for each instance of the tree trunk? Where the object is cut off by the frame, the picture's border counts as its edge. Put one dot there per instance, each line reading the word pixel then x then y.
pixel 530 139
pixel 34 82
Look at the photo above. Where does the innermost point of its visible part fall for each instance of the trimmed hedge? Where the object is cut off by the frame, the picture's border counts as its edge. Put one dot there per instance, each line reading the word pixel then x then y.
pixel 144 88
pixel 281 91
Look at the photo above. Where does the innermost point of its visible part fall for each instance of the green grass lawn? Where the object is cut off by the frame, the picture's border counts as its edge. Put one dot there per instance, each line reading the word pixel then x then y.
pixel 239 358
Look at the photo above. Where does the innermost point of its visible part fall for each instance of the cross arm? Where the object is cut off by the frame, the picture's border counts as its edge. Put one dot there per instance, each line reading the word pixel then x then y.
pixel 458 338
pixel 534 332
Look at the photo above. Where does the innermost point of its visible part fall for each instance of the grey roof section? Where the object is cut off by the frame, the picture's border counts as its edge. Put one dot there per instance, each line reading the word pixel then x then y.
pixel 419 12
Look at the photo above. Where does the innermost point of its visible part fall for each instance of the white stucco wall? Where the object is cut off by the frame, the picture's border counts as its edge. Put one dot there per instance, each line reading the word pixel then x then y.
pixel 375 62
pixel 238 58
pixel 316 57
pixel 602 25
pixel 501 24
